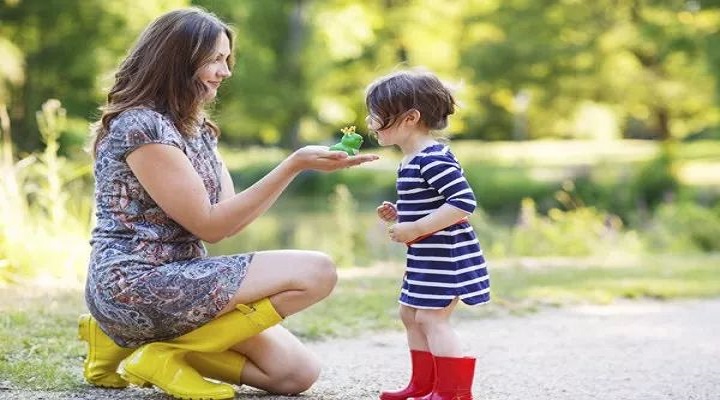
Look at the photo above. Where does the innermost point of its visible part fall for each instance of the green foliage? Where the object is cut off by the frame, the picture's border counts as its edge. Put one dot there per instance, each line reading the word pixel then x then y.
pixel 684 227
pixel 592 201
pixel 500 188
pixel 646 61
pixel 68 50
pixel 522 69
pixel 626 188
pixel 580 231
pixel 657 181
pixel 45 209
pixel 501 173
pixel 344 227
pixel 606 279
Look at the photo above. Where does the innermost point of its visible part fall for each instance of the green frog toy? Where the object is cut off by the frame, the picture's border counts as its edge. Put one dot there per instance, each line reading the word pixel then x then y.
pixel 350 142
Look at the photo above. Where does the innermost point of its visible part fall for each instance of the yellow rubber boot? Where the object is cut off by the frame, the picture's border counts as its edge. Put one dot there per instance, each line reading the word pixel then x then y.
pixel 163 364
pixel 104 356
pixel 226 366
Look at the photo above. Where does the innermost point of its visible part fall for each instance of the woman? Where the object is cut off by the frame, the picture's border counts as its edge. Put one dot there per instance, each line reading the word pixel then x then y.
pixel 158 302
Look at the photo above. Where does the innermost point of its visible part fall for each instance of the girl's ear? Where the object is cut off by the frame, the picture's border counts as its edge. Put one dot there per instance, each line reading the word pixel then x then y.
pixel 413 117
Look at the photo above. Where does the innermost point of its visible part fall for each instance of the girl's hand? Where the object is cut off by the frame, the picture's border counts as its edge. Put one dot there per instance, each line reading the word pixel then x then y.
pixel 387 212
pixel 404 232
pixel 321 159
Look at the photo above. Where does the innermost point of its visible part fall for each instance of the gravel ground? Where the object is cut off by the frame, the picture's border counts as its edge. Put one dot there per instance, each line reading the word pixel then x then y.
pixel 627 350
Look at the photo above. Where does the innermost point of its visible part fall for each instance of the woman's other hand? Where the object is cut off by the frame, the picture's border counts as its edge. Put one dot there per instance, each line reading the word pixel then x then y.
pixel 321 159
pixel 387 211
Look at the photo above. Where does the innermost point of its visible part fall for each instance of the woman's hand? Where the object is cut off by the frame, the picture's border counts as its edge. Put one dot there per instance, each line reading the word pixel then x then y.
pixel 387 212
pixel 321 159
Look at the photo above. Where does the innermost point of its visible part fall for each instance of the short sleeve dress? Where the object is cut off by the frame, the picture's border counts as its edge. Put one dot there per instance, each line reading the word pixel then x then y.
pixel 149 279
pixel 449 263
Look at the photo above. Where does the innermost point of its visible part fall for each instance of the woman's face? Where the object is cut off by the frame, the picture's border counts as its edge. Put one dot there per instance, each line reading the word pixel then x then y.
pixel 216 70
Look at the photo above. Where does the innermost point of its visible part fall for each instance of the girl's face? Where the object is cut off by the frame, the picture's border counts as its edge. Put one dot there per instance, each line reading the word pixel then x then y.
pixel 397 133
pixel 385 137
pixel 216 70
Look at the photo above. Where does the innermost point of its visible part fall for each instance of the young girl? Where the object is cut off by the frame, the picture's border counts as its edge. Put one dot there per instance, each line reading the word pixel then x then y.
pixel 444 260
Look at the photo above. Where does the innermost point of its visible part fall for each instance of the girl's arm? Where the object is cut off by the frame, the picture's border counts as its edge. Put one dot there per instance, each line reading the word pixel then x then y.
pixel 440 219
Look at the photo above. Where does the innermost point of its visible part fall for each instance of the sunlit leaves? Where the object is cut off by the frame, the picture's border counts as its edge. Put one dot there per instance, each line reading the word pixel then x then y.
pixel 11 68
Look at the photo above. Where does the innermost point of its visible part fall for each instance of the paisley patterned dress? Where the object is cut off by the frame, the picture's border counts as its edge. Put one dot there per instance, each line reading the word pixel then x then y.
pixel 149 279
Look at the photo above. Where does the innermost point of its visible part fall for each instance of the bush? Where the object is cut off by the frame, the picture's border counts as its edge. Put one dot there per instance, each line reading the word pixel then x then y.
pixel 45 208
pixel 684 227
pixel 582 231
pixel 657 180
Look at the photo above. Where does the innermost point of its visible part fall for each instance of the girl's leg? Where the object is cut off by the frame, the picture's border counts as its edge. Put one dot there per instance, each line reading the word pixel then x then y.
pixel 415 336
pixel 292 279
pixel 453 372
pixel 435 325
pixel 422 376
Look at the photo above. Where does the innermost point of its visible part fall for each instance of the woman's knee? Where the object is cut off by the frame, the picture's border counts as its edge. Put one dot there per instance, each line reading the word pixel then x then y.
pixel 298 371
pixel 321 275
pixel 278 362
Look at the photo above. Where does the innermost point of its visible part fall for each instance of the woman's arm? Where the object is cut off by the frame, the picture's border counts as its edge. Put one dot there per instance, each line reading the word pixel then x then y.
pixel 170 179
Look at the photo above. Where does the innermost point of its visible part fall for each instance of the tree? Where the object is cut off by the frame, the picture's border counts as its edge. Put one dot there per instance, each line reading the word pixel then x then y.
pixel 67 49
pixel 644 59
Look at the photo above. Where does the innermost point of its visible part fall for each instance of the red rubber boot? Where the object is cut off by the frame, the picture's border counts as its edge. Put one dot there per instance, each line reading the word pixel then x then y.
pixel 421 381
pixel 454 379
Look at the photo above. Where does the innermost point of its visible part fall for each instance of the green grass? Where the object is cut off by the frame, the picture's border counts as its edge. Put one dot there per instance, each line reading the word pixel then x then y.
pixel 38 338
pixel 39 349
pixel 659 277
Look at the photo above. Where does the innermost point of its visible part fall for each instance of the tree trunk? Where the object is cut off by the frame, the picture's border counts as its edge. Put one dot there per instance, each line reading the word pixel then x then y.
pixel 296 36
pixel 663 124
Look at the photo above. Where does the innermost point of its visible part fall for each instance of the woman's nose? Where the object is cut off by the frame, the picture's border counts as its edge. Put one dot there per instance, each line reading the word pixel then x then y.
pixel 225 71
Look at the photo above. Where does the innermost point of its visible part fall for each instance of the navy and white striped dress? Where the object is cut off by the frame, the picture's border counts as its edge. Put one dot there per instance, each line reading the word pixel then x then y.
pixel 449 263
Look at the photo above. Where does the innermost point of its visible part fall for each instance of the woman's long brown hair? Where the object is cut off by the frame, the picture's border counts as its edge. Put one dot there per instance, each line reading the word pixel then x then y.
pixel 160 71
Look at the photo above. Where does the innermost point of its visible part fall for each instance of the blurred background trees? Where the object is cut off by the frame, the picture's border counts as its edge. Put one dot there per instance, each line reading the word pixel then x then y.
pixel 524 69
pixel 584 126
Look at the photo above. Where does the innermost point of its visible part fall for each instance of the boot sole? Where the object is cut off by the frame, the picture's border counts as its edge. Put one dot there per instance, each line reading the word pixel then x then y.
pixel 146 383
pixel 84 335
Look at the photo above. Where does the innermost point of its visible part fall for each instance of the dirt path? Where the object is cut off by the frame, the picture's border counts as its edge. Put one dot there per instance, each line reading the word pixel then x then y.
pixel 625 351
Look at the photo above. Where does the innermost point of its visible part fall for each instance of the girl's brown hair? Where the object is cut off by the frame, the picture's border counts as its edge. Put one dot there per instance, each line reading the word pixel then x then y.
pixel 390 97
pixel 160 71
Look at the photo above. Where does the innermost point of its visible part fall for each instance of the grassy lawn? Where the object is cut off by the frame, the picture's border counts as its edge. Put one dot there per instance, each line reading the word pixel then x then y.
pixel 39 349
